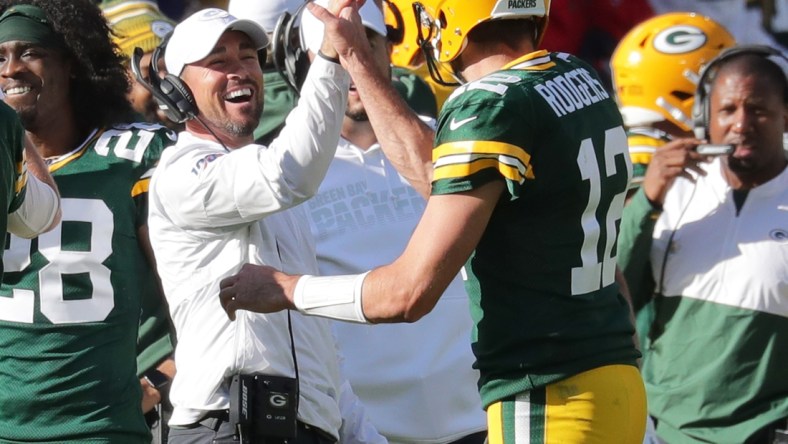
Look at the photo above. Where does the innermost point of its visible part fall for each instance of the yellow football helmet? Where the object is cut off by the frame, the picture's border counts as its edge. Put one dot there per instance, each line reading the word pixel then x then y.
pixel 403 32
pixel 401 23
pixel 454 19
pixel 656 66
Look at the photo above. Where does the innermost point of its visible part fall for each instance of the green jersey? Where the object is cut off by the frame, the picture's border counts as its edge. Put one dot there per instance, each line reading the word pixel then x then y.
pixel 541 281
pixel 279 100
pixel 12 172
pixel 156 338
pixel 415 91
pixel 70 299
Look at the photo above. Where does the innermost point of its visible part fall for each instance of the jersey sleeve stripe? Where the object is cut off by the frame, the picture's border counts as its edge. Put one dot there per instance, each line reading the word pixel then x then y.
pixel 635 140
pixel 141 187
pixel 640 157
pixel 459 159
pixel 21 180
pixel 480 147
pixel 506 153
pixel 143 183
pixel 459 170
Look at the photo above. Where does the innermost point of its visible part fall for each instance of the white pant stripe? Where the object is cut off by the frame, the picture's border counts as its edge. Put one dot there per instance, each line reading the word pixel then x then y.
pixel 522 418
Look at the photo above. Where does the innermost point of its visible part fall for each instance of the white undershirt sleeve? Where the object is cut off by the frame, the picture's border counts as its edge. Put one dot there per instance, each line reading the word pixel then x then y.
pixel 37 212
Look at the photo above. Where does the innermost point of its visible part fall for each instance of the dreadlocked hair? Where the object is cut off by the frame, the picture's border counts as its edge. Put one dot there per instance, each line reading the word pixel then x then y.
pixel 99 82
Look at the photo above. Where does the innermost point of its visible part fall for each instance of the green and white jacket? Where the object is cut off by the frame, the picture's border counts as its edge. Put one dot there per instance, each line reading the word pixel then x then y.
pixel 716 336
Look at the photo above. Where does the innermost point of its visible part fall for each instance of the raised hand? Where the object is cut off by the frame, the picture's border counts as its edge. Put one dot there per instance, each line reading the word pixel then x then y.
pixel 344 32
pixel 669 162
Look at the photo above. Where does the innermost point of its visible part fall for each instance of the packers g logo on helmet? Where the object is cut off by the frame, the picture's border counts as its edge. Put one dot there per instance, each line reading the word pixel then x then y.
pixel 680 39
pixel 657 64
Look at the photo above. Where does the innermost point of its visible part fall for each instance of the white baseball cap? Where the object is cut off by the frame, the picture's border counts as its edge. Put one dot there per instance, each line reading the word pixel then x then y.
pixel 264 12
pixel 312 28
pixel 195 37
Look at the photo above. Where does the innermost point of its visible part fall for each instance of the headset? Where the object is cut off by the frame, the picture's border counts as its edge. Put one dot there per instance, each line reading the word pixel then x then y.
pixel 289 56
pixel 701 106
pixel 170 92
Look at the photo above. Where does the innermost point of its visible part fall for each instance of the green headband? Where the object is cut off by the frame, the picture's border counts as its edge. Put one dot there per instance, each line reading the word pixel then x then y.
pixel 28 23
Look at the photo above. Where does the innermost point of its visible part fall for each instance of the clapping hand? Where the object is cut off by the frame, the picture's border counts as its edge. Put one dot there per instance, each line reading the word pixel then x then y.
pixel 257 288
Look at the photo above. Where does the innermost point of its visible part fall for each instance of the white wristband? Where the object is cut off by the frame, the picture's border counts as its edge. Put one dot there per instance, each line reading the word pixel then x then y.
pixel 335 297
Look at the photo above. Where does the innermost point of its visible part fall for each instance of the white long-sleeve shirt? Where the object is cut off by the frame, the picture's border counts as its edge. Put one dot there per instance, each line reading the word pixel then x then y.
pixel 415 380
pixel 213 210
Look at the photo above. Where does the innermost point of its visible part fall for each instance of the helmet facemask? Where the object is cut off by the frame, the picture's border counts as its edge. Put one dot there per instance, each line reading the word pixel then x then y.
pixel 429 40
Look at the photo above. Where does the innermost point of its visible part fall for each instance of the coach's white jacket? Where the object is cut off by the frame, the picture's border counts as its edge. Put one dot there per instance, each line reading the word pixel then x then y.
pixel 213 210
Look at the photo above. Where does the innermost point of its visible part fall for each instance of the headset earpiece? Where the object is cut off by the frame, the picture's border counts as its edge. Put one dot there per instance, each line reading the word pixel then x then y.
pixel 179 100
pixel 169 91
pixel 701 108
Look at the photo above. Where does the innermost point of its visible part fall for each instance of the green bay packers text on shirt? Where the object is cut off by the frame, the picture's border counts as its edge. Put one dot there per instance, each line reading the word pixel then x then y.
pixel 571 91
pixel 354 207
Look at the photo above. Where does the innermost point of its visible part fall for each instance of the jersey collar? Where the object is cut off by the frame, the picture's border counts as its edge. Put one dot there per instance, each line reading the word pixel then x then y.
pixel 530 57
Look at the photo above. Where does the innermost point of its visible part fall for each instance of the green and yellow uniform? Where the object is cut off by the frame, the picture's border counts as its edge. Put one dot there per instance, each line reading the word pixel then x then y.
pixel 70 299
pixel 541 281
pixel 415 91
pixel 279 100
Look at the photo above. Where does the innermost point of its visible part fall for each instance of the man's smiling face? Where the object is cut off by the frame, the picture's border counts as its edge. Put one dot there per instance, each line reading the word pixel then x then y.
pixel 34 81
pixel 228 85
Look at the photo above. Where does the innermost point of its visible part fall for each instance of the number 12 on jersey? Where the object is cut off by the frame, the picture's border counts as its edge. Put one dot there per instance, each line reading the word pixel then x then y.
pixel 597 272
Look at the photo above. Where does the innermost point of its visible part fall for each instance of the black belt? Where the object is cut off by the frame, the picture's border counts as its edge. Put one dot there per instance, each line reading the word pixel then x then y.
pixel 214 418
pixel 211 419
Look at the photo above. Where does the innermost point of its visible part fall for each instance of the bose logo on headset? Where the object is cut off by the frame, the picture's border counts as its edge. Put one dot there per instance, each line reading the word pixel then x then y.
pixel 701 106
